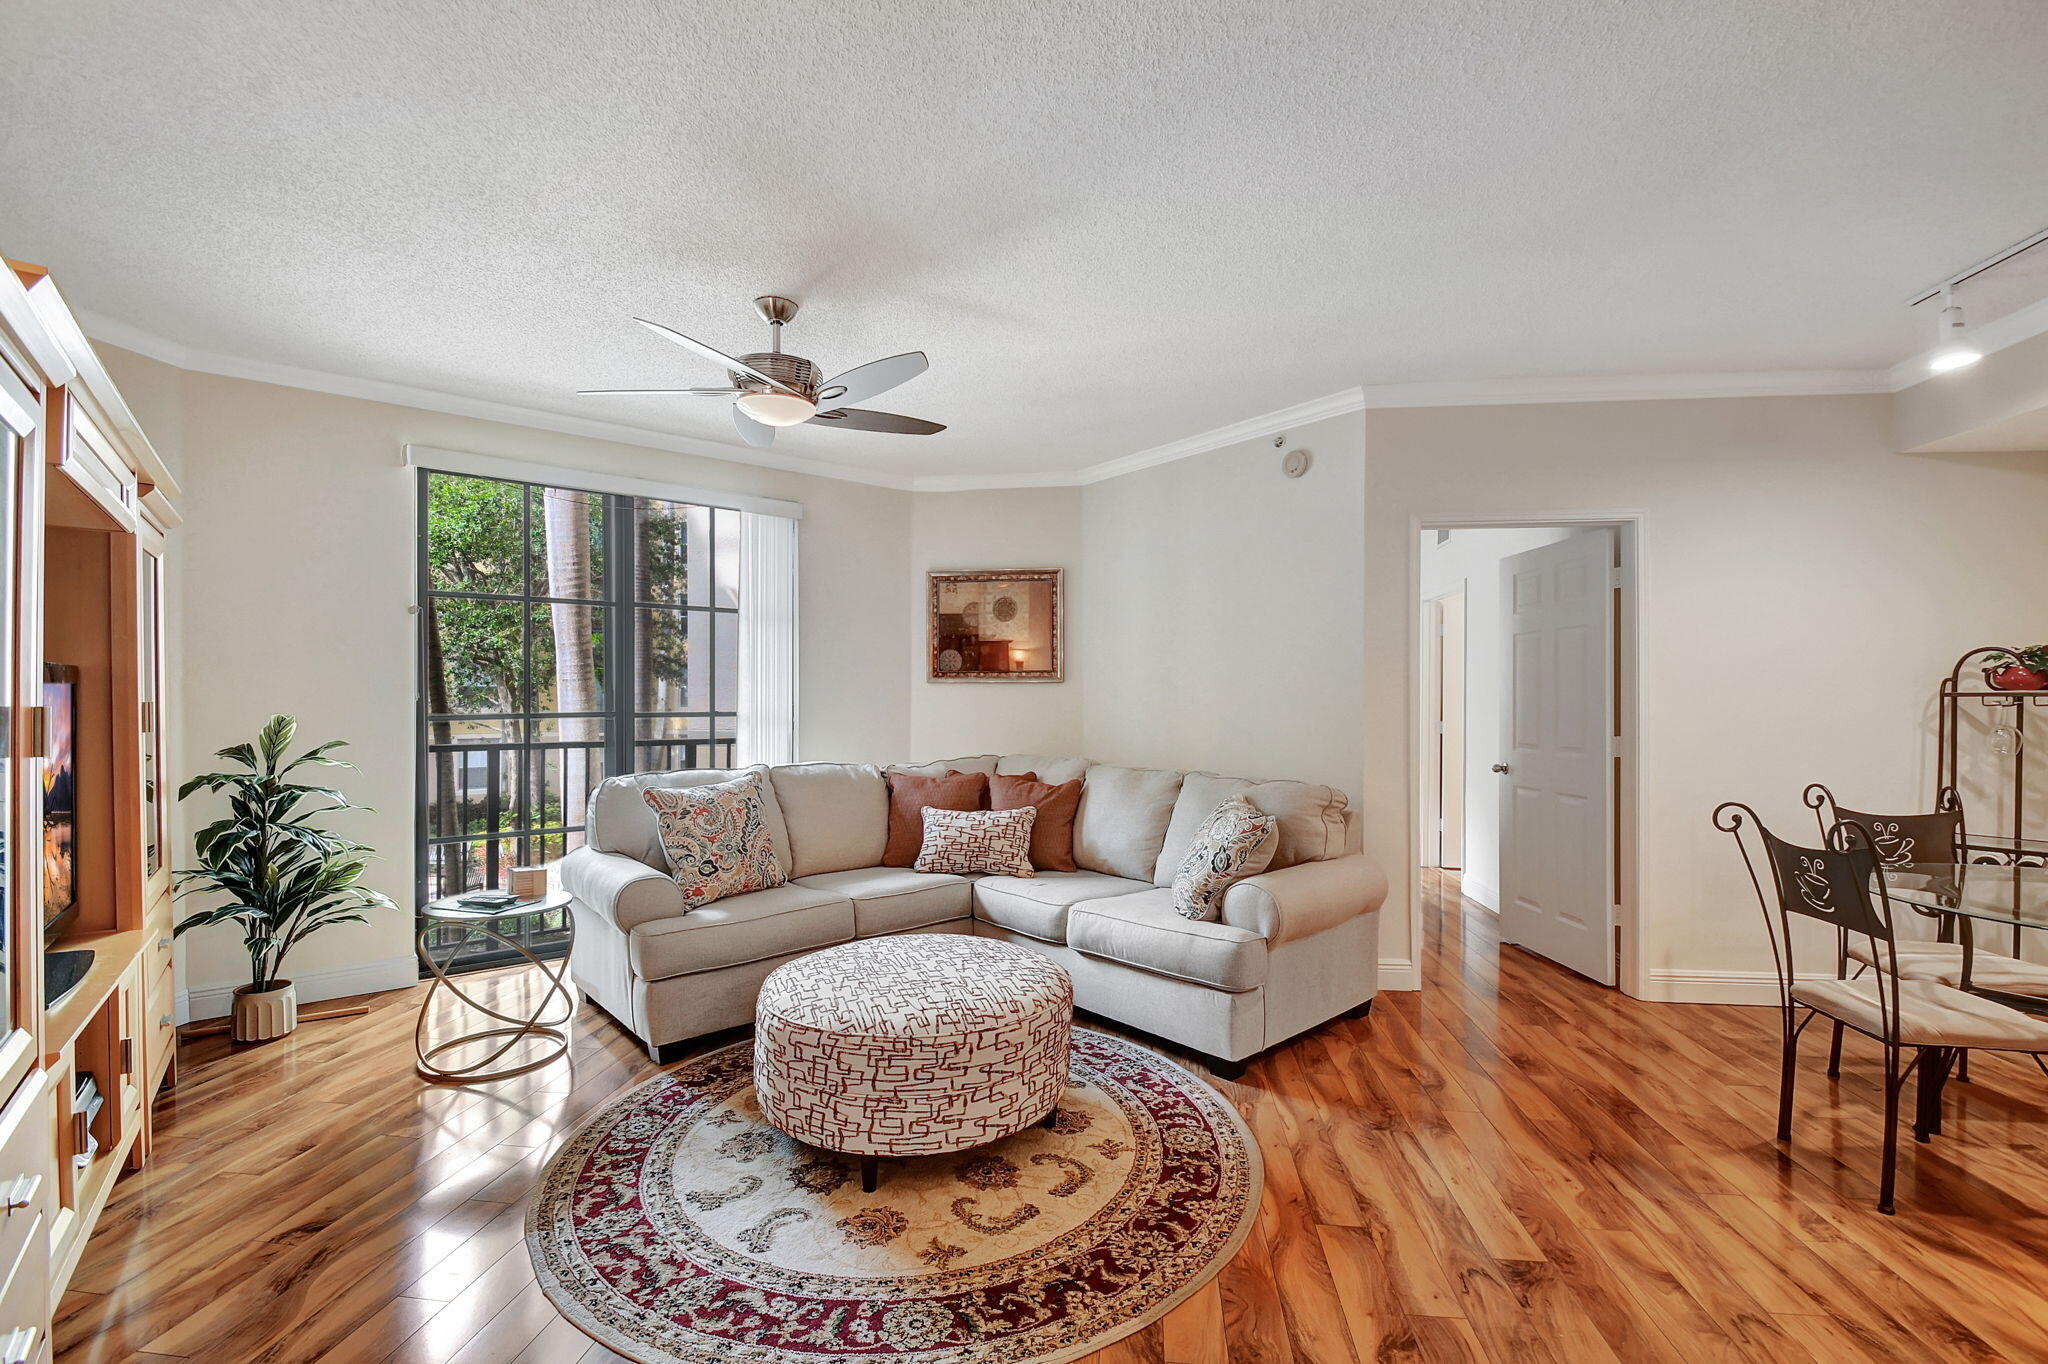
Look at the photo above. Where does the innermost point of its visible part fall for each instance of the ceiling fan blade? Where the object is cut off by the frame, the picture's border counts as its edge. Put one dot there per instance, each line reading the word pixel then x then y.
pixel 865 419
pixel 863 382
pixel 751 431
pixel 692 392
pixel 716 357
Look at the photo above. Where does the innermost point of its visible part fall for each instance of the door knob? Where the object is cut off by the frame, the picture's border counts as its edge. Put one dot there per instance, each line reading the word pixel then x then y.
pixel 1500 767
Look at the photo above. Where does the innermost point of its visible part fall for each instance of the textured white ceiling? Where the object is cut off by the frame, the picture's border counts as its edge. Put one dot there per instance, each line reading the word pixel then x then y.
pixel 1110 225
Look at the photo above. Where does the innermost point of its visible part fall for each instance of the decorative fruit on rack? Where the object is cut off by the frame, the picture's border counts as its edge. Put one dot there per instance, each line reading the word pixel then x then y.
pixel 2019 670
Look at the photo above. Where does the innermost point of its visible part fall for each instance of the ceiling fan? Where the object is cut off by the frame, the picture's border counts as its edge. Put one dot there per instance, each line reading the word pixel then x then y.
pixel 771 389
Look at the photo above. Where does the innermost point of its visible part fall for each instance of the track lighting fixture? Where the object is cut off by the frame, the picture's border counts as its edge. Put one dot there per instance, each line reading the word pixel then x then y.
pixel 1953 348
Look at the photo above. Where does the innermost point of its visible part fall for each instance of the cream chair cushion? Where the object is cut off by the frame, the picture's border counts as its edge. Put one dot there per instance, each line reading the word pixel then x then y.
pixel 1943 961
pixel 1121 823
pixel 837 815
pixel 1930 1014
pixel 1048 769
pixel 1311 818
pixel 744 928
pixel 983 763
pixel 618 820
pixel 892 899
pixel 1037 907
pixel 1145 931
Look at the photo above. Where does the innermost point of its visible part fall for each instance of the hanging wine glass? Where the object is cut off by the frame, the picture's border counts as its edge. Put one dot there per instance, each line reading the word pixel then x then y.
pixel 2006 740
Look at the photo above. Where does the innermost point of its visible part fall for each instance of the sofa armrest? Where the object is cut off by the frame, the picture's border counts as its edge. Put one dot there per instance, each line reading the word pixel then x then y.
pixel 1306 898
pixel 623 889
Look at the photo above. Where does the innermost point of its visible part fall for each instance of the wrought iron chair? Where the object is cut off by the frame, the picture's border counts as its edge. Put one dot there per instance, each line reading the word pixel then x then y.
pixel 1837 884
pixel 1938 838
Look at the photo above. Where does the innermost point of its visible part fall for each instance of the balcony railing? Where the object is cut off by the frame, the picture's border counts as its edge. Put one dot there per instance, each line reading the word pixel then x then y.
pixel 492 806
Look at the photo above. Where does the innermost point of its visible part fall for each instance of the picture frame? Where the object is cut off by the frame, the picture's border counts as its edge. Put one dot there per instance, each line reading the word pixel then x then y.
pixel 996 625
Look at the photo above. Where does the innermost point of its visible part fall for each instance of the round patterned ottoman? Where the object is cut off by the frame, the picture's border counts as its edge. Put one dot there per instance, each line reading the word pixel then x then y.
pixel 912 1046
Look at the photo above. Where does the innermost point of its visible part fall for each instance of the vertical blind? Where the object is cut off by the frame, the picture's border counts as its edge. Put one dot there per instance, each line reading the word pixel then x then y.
pixel 767 700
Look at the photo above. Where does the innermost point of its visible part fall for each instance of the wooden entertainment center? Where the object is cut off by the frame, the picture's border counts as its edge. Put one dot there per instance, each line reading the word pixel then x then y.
pixel 84 512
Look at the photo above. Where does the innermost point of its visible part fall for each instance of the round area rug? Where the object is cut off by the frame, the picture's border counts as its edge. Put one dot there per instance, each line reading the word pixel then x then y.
pixel 677 1225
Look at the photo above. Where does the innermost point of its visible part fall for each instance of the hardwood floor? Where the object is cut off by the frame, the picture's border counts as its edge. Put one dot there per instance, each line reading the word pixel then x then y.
pixel 1511 1164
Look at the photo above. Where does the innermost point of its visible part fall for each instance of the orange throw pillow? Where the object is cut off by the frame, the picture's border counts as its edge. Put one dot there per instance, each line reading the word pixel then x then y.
pixel 1052 833
pixel 910 795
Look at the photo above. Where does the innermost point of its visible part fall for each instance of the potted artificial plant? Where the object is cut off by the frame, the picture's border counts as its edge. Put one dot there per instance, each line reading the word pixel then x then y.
pixel 284 877
pixel 2018 669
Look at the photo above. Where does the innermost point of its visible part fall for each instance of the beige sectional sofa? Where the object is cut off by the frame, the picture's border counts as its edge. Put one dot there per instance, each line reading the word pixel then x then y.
pixel 1297 945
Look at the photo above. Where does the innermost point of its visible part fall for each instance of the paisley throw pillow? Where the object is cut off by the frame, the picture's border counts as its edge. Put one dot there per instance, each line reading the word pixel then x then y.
pixel 1235 842
pixel 716 840
pixel 977 842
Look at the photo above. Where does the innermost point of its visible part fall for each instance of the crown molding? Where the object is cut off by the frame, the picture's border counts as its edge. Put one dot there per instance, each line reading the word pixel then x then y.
pixel 1630 388
pixel 182 356
pixel 2014 327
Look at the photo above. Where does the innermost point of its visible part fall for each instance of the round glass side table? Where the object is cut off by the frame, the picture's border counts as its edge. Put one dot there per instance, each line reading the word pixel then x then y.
pixel 480 925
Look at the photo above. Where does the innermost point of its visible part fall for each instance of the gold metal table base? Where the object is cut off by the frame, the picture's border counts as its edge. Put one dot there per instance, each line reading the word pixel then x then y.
pixel 516 1029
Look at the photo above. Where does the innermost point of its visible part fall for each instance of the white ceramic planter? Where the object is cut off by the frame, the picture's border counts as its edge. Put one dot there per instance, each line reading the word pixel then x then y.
pixel 261 1016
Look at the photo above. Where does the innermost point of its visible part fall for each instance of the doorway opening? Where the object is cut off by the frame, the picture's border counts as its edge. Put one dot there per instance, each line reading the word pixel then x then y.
pixel 1525 702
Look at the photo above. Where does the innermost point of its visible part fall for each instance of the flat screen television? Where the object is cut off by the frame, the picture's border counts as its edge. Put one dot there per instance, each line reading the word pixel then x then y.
pixel 60 801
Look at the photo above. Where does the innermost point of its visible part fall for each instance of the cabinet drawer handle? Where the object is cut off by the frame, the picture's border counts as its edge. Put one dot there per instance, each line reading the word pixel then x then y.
pixel 21 1193
pixel 165 1021
pixel 20 1345
pixel 164 943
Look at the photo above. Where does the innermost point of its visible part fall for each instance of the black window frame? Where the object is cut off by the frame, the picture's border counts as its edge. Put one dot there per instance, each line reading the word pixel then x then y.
pixel 621 749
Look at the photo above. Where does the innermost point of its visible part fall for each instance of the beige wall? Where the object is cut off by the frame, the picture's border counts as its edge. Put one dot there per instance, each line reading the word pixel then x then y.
pixel 1220 629
pixel 1803 589
pixel 1009 528
pixel 294 572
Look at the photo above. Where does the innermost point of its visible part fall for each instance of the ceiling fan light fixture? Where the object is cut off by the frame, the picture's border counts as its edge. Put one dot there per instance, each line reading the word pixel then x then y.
pixel 1954 350
pixel 777 409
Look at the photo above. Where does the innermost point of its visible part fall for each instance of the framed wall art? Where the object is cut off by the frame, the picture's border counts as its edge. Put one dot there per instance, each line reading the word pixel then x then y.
pixel 997 625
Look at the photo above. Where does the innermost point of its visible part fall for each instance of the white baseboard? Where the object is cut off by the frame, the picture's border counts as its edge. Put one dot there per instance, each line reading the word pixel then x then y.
pixel 1399 973
pixel 1669 986
pixel 1482 893
pixel 361 978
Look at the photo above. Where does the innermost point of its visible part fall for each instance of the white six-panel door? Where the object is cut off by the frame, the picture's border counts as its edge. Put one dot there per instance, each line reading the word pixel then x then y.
pixel 1556 770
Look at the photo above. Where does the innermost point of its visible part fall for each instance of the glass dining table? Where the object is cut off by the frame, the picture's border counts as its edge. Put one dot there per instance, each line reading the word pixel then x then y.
pixel 1972 895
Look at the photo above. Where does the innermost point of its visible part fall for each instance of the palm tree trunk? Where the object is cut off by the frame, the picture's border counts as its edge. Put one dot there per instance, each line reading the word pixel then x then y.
pixel 643 639
pixel 567 517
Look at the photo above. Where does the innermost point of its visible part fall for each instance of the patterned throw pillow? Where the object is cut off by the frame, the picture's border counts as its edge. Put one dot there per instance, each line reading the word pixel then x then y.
pixel 1235 842
pixel 716 839
pixel 974 842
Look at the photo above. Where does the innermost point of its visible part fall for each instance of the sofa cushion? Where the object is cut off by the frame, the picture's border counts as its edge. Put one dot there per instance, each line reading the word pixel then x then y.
pixel 1311 818
pixel 975 842
pixel 984 763
pixel 837 815
pixel 715 838
pixel 618 820
pixel 1122 820
pixel 912 793
pixel 1233 843
pixel 1143 930
pixel 890 900
pixel 1052 832
pixel 1050 770
pixel 1037 906
pixel 744 928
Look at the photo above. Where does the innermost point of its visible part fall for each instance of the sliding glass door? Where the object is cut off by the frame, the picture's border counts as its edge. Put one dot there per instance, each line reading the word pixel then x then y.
pixel 565 635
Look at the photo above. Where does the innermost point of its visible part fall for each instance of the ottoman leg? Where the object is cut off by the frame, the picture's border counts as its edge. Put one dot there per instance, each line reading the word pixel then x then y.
pixel 868 1174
